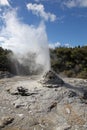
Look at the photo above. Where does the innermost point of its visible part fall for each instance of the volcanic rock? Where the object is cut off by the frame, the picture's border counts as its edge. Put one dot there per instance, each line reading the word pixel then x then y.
pixel 20 91
pixel 85 95
pixel 53 105
pixel 52 79
pixel 72 94
pixel 5 121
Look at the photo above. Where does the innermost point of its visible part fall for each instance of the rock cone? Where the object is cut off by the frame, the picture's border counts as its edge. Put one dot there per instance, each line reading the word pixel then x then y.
pixel 52 78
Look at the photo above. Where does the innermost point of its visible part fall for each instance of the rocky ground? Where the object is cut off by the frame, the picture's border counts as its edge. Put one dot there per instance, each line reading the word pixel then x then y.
pixel 48 103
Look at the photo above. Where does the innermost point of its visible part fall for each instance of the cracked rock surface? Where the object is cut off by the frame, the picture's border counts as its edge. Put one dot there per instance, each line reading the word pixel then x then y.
pixel 28 104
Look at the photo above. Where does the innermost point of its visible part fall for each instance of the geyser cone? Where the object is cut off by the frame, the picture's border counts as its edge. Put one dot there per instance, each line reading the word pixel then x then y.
pixel 52 78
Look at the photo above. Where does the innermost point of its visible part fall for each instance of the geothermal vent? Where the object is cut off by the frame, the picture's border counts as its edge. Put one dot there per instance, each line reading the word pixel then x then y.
pixel 52 79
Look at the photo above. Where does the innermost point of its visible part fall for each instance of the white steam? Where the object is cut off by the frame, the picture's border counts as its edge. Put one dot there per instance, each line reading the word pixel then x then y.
pixel 25 39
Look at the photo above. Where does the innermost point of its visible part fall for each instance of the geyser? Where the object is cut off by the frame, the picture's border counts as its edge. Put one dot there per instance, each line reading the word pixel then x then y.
pixel 28 43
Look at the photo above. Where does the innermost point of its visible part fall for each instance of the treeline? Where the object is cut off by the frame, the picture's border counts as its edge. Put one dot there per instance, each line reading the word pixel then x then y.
pixel 4 60
pixel 71 62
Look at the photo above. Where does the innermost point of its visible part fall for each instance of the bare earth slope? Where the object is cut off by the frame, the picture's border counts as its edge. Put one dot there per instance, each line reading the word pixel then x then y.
pixel 28 103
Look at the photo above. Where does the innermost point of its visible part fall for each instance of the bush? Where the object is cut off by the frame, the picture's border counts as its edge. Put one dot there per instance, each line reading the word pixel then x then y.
pixel 82 74
pixel 70 61
pixel 69 73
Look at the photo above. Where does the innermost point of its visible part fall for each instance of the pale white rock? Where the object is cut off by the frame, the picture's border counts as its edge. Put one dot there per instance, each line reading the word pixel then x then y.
pixel 68 111
pixel 20 115
pixel 64 127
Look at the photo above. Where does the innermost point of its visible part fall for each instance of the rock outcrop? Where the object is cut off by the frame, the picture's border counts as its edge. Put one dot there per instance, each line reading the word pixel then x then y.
pixel 51 79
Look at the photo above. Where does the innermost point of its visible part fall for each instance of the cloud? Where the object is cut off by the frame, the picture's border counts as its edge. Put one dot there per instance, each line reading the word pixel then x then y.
pixel 39 10
pixel 58 44
pixel 75 3
pixel 54 45
pixel 23 39
pixel 4 3
pixel 2 39
pixel 52 1
pixel 67 45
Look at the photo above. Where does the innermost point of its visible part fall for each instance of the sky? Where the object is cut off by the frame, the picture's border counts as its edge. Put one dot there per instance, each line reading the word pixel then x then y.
pixel 64 21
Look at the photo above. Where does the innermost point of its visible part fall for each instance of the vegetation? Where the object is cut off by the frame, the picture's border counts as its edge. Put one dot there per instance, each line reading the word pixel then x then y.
pixel 4 60
pixel 71 62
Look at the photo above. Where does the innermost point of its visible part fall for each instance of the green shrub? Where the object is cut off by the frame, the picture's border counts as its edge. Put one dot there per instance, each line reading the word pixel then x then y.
pixel 70 61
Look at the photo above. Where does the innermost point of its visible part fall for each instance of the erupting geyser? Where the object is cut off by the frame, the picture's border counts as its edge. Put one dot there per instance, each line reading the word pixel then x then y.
pixel 28 43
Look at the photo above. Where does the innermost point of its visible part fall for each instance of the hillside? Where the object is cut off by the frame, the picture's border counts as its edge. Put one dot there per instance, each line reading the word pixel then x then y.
pixel 71 62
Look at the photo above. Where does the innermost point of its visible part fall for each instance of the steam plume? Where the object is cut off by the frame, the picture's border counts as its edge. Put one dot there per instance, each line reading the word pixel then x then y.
pixel 25 40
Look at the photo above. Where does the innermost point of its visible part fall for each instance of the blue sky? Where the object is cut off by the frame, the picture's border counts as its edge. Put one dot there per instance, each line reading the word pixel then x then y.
pixel 65 21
